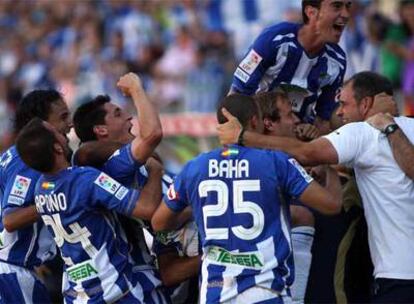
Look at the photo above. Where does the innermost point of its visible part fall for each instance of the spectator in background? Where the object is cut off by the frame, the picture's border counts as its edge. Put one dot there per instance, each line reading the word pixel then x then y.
pixel 396 36
pixel 405 52
pixel 204 83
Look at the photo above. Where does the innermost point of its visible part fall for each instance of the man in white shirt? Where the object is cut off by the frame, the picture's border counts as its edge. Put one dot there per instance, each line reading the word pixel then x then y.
pixel 387 192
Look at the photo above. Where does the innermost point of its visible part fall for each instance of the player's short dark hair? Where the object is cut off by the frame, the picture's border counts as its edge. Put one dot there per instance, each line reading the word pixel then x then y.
pixel 35 145
pixel 267 103
pixel 37 103
pixel 88 115
pixel 369 84
pixel 243 107
pixel 313 3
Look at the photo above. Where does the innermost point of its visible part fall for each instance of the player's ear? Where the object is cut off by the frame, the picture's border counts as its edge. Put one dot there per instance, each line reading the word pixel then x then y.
pixel 366 105
pixel 58 148
pixel 311 11
pixel 100 130
pixel 268 124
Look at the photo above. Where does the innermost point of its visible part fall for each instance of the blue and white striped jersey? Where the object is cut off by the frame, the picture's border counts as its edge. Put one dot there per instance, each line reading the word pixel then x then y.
pixel 126 170
pixel 30 246
pixel 240 200
pixel 79 205
pixel 276 58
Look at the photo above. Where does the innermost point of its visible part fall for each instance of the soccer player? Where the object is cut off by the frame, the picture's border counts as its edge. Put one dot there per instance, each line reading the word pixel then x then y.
pixel 387 192
pixel 79 205
pixel 279 120
pixel 305 59
pixel 25 242
pixel 240 198
pixel 104 130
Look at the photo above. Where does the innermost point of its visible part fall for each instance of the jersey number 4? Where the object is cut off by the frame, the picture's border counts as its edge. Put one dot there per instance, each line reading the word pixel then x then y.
pixel 239 206
pixel 79 234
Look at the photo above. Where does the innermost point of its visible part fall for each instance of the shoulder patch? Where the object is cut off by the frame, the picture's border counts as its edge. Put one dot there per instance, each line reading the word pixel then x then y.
pixel 107 183
pixel 20 186
pixel 121 193
pixel 301 170
pixel 250 62
pixel 172 194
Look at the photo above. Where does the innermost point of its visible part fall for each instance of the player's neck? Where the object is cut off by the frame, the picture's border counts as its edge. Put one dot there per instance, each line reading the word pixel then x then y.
pixel 310 40
pixel 60 165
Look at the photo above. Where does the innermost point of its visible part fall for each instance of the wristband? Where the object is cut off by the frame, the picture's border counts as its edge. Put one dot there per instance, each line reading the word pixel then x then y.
pixel 240 140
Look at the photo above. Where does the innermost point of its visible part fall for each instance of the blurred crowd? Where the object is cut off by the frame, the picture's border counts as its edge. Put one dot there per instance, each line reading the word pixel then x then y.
pixel 184 50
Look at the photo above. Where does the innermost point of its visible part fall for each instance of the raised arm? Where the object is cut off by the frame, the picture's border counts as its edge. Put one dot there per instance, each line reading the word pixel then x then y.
pixel 150 131
pixel 151 193
pixel 402 148
pixel 318 151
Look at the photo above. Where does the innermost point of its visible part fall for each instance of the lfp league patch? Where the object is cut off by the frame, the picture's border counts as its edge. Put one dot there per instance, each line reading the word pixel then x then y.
pixel 20 186
pixel 107 183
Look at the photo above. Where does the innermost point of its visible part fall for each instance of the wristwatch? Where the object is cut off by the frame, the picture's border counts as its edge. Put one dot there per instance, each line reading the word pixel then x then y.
pixel 390 129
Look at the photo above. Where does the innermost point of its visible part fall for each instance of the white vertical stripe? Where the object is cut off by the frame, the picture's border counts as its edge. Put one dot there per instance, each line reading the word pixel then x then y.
pixel 274 70
pixel 300 78
pixel 286 232
pixel 267 248
pixel 204 282
pixel 232 12
pixel 108 275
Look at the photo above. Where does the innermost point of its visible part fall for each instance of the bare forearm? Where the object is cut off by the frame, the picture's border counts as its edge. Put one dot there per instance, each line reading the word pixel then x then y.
pixel 403 152
pixel 20 218
pixel 291 146
pixel 150 197
pixel 333 185
pixel 148 119
pixel 175 269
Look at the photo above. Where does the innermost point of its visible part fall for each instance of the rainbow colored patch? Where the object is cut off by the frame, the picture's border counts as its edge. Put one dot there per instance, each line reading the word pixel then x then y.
pixel 48 186
pixel 229 152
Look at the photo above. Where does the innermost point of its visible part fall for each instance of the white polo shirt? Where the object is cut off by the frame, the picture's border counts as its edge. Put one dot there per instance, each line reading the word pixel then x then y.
pixel 387 194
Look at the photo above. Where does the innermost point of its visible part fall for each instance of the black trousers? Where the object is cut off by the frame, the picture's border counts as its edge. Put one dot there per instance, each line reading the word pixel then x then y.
pixel 393 291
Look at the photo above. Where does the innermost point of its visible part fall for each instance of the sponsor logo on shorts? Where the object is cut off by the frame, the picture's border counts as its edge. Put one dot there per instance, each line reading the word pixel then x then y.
pixel 218 255
pixel 82 272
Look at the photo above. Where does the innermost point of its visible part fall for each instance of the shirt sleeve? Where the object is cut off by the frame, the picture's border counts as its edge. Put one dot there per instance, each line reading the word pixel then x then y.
pixel 293 177
pixel 254 65
pixel 346 142
pixel 122 166
pixel 106 192
pixel 176 197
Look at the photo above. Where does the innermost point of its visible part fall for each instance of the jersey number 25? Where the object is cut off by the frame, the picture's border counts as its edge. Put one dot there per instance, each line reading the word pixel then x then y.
pixel 239 206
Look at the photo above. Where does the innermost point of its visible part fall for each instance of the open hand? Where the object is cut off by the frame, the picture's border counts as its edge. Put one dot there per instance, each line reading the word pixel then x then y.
pixel 229 131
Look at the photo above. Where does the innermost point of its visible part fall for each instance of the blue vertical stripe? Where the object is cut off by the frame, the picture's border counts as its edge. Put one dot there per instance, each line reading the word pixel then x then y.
pixel 250 10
